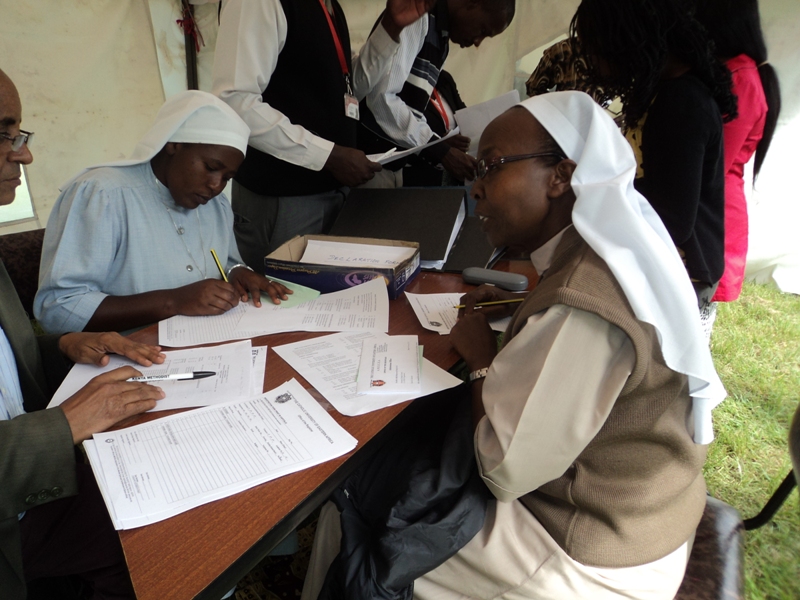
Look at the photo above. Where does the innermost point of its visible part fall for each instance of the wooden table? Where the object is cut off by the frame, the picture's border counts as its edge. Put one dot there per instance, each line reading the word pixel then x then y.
pixel 204 552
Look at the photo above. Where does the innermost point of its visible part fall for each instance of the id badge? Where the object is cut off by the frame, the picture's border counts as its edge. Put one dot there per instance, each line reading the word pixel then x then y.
pixel 351 107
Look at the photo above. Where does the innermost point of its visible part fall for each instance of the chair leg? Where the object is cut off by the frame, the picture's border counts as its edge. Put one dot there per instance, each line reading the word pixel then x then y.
pixel 773 504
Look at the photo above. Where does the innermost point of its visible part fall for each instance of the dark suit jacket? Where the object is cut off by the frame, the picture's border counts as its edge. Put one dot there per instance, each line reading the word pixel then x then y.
pixel 37 458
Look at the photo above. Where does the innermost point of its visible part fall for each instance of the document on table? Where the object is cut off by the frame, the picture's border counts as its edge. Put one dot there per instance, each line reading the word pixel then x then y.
pixel 232 363
pixel 390 364
pixel 395 154
pixel 364 307
pixel 474 119
pixel 259 369
pixel 330 364
pixel 322 252
pixel 301 294
pixel 156 470
pixel 438 312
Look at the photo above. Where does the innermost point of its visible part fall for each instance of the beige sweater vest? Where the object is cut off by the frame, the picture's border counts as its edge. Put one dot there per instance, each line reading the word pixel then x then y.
pixel 636 492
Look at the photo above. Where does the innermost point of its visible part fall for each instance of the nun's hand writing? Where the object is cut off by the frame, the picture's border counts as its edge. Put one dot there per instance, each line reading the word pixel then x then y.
pixel 207 297
pixel 489 293
pixel 250 284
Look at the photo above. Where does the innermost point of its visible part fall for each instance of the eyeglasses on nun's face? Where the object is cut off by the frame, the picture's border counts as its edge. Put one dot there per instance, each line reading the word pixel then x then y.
pixel 17 141
pixel 485 165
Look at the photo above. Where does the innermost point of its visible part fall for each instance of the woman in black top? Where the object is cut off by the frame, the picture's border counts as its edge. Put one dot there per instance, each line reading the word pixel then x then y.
pixel 657 58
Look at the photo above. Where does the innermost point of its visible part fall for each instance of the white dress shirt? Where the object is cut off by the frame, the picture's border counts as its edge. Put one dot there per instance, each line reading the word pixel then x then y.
pixel 395 117
pixel 251 36
pixel 10 391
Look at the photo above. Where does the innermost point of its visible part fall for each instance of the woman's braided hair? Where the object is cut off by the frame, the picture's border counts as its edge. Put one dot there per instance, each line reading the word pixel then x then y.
pixel 634 38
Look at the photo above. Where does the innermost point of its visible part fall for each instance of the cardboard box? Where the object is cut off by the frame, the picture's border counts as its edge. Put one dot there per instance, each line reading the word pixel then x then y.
pixel 284 263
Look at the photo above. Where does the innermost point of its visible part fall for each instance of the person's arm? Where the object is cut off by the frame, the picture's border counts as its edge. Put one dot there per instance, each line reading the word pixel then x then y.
pixel 36 449
pixel 676 133
pixel 546 397
pixel 250 39
pixel 80 243
pixel 374 58
pixel 202 298
pixel 394 116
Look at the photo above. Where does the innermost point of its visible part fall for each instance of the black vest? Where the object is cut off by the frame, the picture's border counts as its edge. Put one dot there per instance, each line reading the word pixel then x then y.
pixel 308 87
pixel 427 65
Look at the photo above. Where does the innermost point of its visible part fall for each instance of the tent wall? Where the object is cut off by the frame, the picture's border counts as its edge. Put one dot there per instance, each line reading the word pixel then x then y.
pixel 89 82
pixel 92 75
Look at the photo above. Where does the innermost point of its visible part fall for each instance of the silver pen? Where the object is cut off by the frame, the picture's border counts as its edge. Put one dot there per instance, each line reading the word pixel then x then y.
pixel 174 376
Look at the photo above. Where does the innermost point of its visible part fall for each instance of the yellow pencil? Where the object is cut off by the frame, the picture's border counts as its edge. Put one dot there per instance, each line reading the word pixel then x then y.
pixel 219 266
pixel 492 303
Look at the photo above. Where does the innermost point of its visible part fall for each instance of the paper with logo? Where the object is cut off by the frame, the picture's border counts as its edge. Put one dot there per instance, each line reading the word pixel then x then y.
pixel 389 365
pixel 438 312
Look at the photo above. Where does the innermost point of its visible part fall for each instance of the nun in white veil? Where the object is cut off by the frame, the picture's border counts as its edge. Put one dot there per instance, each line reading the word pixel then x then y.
pixel 129 242
pixel 591 422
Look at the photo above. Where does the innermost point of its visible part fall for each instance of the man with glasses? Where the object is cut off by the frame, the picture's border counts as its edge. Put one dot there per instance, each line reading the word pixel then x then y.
pixel 52 518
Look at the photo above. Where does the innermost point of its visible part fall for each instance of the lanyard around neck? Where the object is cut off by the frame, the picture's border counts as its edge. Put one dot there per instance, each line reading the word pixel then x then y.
pixel 436 100
pixel 337 42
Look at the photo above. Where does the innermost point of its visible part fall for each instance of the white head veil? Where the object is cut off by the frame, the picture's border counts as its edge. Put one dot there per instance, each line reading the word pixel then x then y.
pixel 624 230
pixel 190 117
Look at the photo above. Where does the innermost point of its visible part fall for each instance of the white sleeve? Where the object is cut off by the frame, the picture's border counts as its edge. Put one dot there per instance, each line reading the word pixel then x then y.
pixel 373 61
pixel 251 36
pixel 546 396
pixel 393 115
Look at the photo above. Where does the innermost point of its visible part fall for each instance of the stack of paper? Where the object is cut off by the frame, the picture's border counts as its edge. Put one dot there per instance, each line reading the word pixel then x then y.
pixel 156 470
pixel 364 307
pixel 321 252
pixel 239 373
pixel 330 364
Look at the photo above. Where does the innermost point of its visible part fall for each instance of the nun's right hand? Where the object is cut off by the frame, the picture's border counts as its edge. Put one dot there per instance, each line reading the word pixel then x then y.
pixel 207 297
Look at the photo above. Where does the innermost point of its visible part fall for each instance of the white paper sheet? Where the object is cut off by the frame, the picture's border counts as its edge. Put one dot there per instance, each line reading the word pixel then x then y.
pixel 182 331
pixel 156 470
pixel 437 312
pixel 259 369
pixel 474 119
pixel 390 364
pixel 330 364
pixel 232 364
pixel 394 154
pixel 321 252
pixel 364 307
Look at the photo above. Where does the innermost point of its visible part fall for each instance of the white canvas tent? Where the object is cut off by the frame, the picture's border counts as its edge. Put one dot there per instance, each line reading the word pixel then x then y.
pixel 92 75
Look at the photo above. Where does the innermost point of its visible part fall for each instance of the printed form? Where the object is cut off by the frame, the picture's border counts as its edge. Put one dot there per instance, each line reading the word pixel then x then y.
pixel 364 307
pixel 438 312
pixel 156 470
pixel 330 364
pixel 232 363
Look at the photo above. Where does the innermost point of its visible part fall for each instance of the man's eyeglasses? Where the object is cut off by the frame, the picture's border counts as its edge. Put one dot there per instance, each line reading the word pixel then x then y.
pixel 487 165
pixel 17 141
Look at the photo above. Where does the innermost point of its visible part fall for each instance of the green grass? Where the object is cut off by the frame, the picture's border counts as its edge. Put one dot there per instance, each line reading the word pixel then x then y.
pixel 756 348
